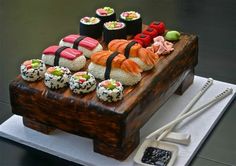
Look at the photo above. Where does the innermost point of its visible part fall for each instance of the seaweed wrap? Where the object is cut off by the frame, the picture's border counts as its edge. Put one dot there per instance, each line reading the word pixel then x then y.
pixel 91 26
pixel 114 30
pixel 133 22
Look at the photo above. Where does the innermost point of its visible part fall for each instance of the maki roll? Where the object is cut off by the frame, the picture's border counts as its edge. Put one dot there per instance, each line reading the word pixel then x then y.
pixel 159 26
pixel 57 77
pixel 82 82
pixel 64 56
pixel 85 44
pixel 110 90
pixel 133 21
pixel 113 65
pixel 144 40
pixel 106 14
pixel 145 58
pixel 32 70
pixel 114 30
pixel 151 32
pixel 91 26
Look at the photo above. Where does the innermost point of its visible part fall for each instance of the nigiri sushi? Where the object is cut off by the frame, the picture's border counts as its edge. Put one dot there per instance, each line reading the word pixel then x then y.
pixel 113 65
pixel 135 52
pixel 32 70
pixel 82 82
pixel 64 56
pixel 110 90
pixel 57 77
pixel 85 44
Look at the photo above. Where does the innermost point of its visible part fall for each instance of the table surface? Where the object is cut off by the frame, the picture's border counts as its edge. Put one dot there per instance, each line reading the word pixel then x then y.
pixel 27 27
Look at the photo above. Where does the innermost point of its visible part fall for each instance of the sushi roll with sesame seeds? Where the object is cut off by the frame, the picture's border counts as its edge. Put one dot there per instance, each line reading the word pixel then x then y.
pixel 82 82
pixel 57 77
pixel 33 70
pixel 110 90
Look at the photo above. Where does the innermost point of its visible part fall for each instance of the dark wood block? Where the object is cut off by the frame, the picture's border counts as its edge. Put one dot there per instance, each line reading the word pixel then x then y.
pixel 37 126
pixel 112 126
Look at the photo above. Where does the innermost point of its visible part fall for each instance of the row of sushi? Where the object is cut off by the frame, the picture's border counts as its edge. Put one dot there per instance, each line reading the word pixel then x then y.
pixel 80 82
pixel 105 22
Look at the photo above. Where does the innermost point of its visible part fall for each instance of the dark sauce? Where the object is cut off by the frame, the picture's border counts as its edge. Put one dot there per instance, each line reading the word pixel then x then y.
pixel 156 156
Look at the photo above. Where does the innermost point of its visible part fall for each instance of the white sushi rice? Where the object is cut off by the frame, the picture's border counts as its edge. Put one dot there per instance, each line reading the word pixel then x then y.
pixel 86 52
pixel 109 95
pixel 87 86
pixel 141 64
pixel 117 74
pixel 56 82
pixel 33 74
pixel 74 65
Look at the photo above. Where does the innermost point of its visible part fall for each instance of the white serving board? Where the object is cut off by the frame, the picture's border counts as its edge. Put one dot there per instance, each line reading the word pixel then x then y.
pixel 80 150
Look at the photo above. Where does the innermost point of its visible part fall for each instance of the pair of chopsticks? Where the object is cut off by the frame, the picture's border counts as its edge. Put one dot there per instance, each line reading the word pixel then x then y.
pixel 188 112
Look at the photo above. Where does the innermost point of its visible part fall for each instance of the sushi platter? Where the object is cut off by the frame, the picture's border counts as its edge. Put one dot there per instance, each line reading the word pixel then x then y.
pixel 80 101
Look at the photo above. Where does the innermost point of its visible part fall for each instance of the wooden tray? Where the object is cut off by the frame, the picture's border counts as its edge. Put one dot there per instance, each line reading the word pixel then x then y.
pixel 114 127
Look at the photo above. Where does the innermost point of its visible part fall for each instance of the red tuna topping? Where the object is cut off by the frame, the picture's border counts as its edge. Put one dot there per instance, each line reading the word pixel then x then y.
pixel 68 53
pixel 87 42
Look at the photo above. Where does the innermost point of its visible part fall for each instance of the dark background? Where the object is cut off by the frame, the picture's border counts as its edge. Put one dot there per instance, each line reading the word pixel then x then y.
pixel 28 26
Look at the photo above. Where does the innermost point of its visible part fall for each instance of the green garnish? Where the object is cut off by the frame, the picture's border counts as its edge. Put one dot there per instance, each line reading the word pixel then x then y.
pixel 111 86
pixel 35 63
pixel 86 76
pixel 57 72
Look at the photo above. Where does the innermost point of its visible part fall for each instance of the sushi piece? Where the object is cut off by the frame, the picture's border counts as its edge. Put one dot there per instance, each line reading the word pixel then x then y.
pixel 106 14
pixel 110 90
pixel 159 26
pixel 32 70
pixel 114 30
pixel 82 82
pixel 133 21
pixel 57 77
pixel 85 44
pixel 64 56
pixel 144 40
pixel 151 32
pixel 113 65
pixel 134 51
pixel 91 26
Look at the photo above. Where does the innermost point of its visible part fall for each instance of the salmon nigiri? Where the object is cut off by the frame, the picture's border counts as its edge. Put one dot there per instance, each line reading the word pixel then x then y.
pixel 114 65
pixel 145 58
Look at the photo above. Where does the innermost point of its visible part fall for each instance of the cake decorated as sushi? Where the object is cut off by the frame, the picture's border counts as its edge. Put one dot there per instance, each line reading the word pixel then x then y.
pixel 33 70
pixel 64 56
pixel 82 82
pixel 110 90
pixel 57 77
pixel 85 44
pixel 91 26
pixel 114 30
pixel 106 14
pixel 133 21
